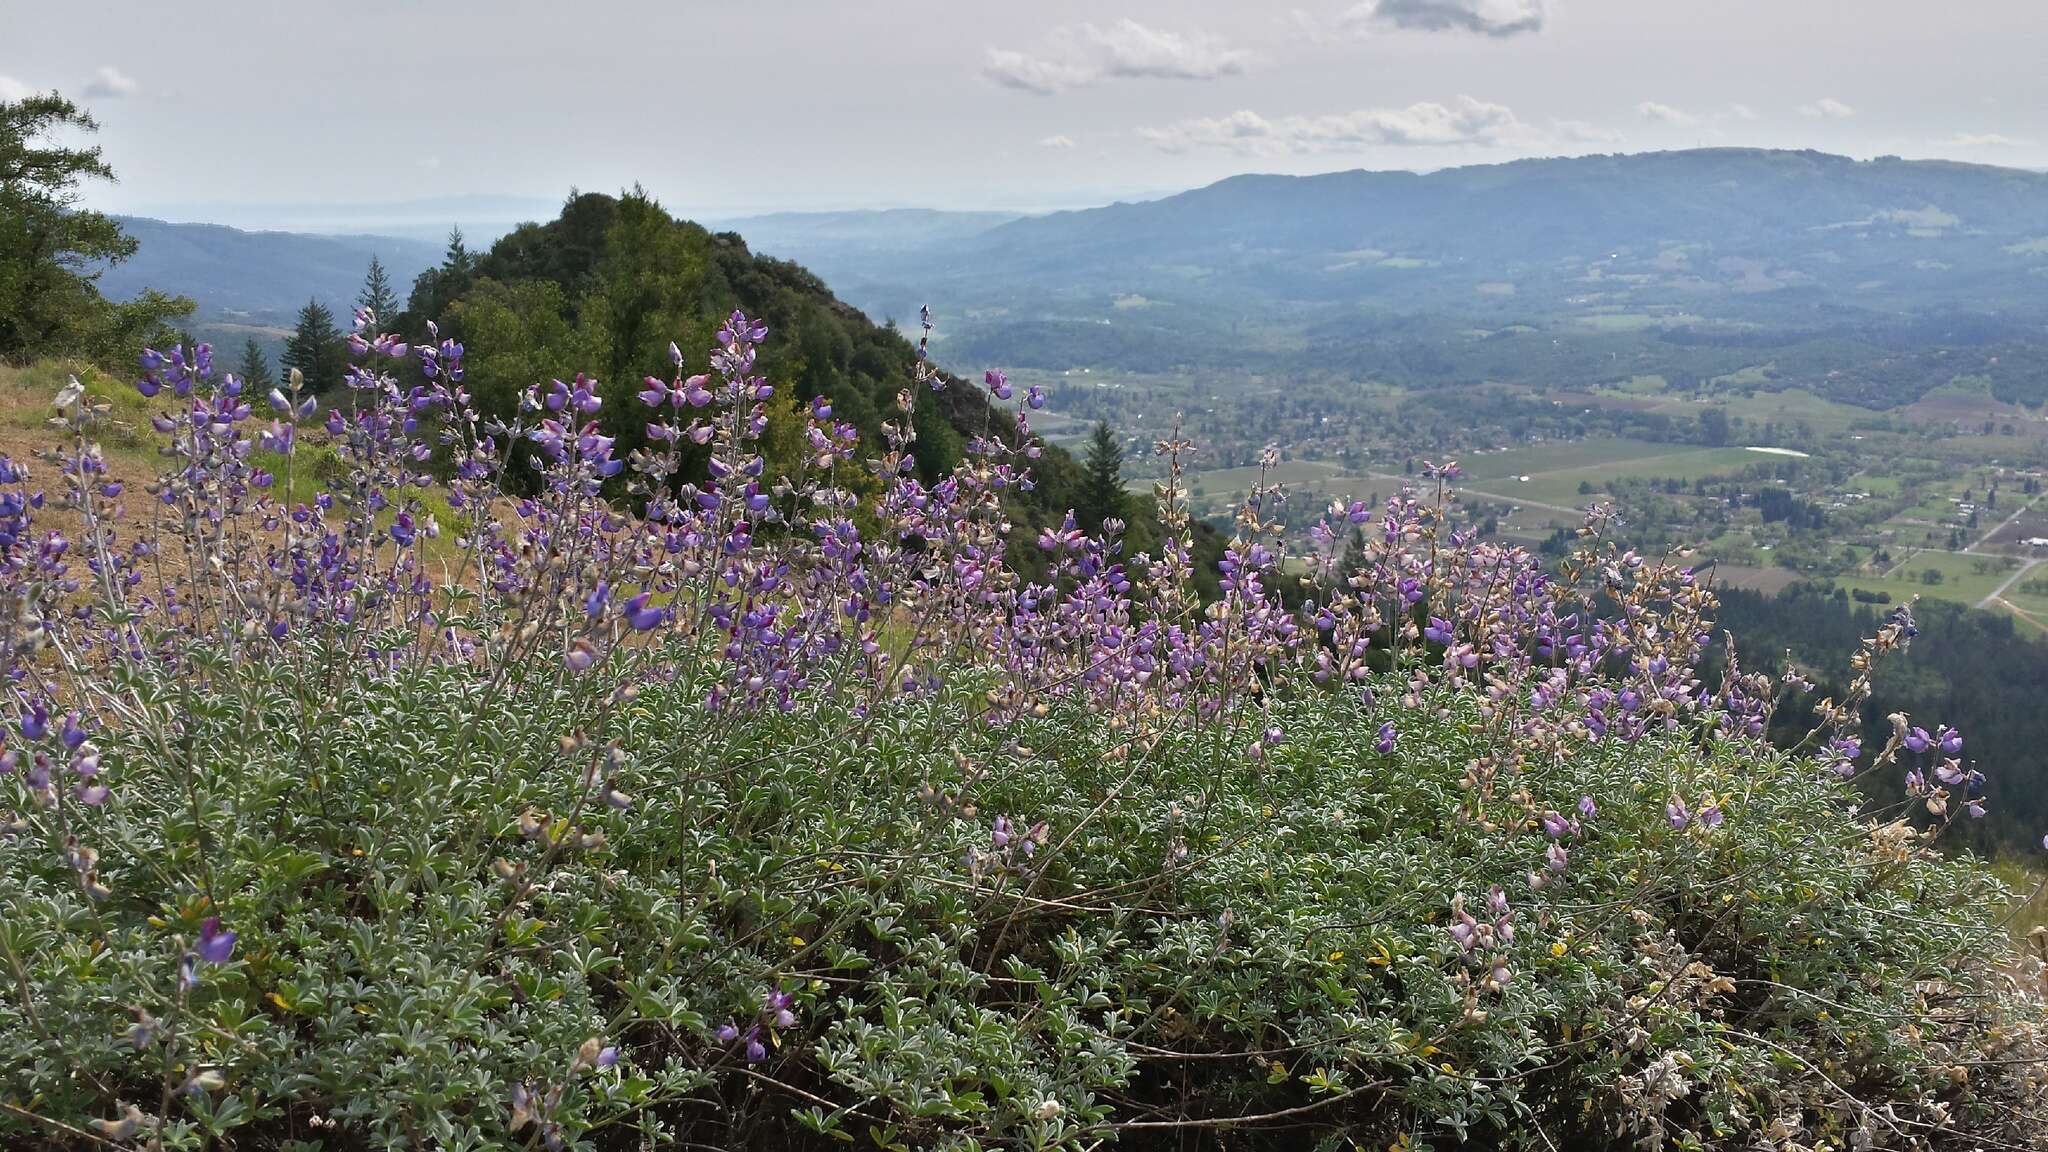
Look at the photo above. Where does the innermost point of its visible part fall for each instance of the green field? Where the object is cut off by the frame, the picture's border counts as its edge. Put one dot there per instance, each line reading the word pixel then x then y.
pixel 1966 579
pixel 1221 489
pixel 1682 461
pixel 1558 455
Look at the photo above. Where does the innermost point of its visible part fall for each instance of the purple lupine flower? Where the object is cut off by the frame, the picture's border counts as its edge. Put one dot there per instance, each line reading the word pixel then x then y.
pixel 215 943
pixel 1587 808
pixel 1917 739
pixel 1385 743
pixel 639 616
pixel 1951 741
pixel 1676 812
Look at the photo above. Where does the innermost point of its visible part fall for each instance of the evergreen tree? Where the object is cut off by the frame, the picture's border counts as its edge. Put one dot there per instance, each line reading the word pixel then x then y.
pixel 1102 479
pixel 317 348
pixel 254 370
pixel 436 288
pixel 377 295
pixel 457 257
pixel 1355 556
pixel 49 247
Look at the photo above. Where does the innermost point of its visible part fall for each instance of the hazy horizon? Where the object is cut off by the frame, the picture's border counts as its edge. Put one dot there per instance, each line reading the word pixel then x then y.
pixel 726 110
pixel 484 216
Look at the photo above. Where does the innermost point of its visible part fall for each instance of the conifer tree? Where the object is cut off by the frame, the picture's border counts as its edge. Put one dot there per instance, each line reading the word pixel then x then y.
pixel 52 250
pixel 377 295
pixel 436 288
pixel 1102 483
pixel 254 370
pixel 317 348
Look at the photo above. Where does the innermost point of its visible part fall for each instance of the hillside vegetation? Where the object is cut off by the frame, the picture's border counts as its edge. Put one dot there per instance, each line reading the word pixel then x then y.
pixel 675 802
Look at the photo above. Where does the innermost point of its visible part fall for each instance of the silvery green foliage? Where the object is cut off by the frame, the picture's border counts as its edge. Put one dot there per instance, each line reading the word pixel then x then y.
pixel 689 800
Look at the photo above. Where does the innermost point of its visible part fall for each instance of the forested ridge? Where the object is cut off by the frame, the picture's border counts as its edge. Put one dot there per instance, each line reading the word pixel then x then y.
pixel 1967 668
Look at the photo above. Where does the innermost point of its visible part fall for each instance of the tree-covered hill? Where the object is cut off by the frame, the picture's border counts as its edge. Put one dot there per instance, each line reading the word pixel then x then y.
pixel 1970 669
pixel 614 282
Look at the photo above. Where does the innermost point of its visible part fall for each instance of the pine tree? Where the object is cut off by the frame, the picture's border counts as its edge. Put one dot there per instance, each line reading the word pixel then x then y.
pixel 377 295
pixel 457 259
pixel 254 370
pixel 52 250
pixel 1102 483
pixel 436 288
pixel 1355 556
pixel 317 348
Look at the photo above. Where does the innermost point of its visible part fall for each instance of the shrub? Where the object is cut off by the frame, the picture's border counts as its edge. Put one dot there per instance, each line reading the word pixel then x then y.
pixel 685 813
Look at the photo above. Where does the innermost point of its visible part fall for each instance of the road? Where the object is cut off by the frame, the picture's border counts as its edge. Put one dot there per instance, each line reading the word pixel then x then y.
pixel 2002 524
pixel 1999 592
pixel 2018 574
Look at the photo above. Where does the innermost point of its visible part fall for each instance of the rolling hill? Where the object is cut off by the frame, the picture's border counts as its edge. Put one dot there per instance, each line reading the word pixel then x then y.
pixel 1784 255
pixel 257 277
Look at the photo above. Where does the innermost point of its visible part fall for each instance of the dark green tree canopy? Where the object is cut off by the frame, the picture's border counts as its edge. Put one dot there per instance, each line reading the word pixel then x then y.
pixel 317 348
pixel 377 295
pixel 610 282
pixel 254 369
pixel 51 251
pixel 1102 480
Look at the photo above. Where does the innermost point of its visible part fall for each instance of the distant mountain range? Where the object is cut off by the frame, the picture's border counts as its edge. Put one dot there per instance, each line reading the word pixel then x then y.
pixel 259 277
pixel 482 218
pixel 1763 241
pixel 1370 273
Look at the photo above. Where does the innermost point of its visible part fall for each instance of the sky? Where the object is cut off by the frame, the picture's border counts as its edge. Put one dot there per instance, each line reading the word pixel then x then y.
pixel 733 107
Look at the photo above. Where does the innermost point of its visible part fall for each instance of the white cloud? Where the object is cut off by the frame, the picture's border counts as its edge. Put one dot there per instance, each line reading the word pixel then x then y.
pixel 1499 18
pixel 1426 125
pixel 1657 113
pixel 1131 50
pixel 1126 50
pixel 12 90
pixel 1983 140
pixel 1061 142
pixel 1743 112
pixel 1030 74
pixel 1827 107
pixel 110 83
